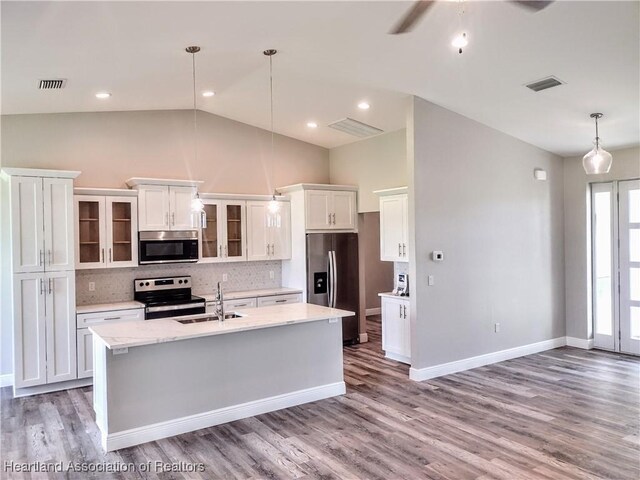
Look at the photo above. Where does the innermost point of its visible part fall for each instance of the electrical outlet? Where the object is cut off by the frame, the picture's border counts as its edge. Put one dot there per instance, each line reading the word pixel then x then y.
pixel 92 286
pixel 496 327
pixel 225 277
pixel 272 275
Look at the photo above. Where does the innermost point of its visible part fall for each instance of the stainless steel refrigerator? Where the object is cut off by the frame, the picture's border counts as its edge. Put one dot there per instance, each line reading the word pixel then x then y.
pixel 333 278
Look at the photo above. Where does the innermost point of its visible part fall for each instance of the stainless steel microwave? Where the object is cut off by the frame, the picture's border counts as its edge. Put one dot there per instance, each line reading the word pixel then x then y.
pixel 168 247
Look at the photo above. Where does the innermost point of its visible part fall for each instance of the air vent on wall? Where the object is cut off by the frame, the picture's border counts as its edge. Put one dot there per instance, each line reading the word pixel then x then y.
pixel 355 128
pixel 55 84
pixel 545 83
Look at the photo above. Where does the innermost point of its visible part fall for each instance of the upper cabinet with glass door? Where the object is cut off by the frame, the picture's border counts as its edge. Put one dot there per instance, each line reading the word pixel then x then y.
pixel 223 234
pixel 106 228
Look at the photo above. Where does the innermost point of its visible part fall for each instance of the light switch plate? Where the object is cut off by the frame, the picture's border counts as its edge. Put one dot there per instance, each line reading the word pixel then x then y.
pixel 225 277
pixel 431 280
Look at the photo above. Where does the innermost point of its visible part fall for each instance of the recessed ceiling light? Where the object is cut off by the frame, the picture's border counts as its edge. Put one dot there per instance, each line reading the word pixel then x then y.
pixel 312 125
pixel 208 93
pixel 103 95
pixel 364 106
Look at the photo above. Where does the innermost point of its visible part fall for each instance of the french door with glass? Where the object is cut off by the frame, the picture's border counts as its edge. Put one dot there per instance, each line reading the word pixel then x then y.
pixel 615 220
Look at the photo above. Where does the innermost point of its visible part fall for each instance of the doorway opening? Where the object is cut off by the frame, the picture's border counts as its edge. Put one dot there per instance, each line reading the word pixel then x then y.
pixel 615 264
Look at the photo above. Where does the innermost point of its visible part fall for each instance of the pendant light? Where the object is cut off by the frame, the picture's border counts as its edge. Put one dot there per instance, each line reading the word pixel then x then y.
pixel 274 205
pixel 598 160
pixel 460 41
pixel 196 204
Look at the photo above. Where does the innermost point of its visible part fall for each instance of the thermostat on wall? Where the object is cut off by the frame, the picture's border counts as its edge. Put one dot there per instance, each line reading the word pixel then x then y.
pixel 437 256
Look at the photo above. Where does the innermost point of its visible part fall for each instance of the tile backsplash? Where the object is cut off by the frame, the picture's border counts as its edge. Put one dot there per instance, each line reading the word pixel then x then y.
pixel 400 267
pixel 116 284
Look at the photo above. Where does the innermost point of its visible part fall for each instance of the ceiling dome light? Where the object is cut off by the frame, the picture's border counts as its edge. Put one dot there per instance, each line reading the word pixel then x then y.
pixel 208 93
pixel 312 125
pixel 103 95
pixel 364 106
pixel 460 42
pixel 598 160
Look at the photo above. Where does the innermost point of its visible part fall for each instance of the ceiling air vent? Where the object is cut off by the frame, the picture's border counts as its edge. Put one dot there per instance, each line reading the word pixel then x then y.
pixel 354 127
pixel 545 83
pixel 56 84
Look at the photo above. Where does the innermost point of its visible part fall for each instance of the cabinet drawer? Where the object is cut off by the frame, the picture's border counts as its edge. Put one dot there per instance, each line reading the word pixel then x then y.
pixel 88 319
pixel 240 303
pixel 279 299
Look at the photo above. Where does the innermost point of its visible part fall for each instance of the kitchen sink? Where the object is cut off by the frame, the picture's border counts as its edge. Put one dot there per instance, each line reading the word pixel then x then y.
pixel 210 318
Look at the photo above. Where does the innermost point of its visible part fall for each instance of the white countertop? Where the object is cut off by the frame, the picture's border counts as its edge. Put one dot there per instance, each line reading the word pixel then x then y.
pixel 266 292
pixel 393 295
pixel 135 334
pixel 105 307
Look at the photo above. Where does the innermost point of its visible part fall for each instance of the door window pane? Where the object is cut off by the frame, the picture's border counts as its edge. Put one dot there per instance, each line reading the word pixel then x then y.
pixel 210 232
pixel 634 206
pixel 121 228
pixel 634 244
pixel 602 264
pixel 635 323
pixel 634 283
pixel 89 231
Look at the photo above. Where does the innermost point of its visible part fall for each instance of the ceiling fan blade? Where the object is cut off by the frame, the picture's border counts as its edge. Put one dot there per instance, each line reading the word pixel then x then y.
pixel 533 5
pixel 412 16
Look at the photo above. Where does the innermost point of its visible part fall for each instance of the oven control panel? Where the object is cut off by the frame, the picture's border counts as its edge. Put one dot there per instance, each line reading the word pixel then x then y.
pixel 154 284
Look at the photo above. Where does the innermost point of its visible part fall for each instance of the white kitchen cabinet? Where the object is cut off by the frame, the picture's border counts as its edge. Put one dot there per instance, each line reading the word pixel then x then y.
pixel 42 224
pixel 165 207
pixel 84 338
pixel 224 233
pixel 396 338
pixel 330 210
pixel 106 231
pixel 279 299
pixel 269 234
pixel 394 228
pixel 44 328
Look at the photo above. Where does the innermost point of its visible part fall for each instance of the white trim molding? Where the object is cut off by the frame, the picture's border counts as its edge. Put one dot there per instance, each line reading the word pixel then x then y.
pixel 586 344
pixel 373 311
pixel 419 374
pixel 156 431
pixel 6 380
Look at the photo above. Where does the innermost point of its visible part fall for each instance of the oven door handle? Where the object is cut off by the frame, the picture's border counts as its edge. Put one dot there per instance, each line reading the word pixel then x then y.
pixel 169 308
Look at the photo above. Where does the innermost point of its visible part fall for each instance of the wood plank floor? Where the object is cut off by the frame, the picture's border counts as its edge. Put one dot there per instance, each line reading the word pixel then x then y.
pixel 561 414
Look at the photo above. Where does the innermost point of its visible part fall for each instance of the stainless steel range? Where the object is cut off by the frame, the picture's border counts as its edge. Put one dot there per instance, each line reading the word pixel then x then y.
pixel 167 297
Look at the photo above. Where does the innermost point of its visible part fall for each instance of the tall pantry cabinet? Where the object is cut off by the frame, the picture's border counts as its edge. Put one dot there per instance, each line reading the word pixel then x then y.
pixel 42 276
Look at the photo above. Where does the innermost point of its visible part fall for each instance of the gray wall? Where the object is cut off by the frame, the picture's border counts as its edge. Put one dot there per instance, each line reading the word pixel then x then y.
pixel 372 164
pixel 473 195
pixel 626 165
pixel 110 147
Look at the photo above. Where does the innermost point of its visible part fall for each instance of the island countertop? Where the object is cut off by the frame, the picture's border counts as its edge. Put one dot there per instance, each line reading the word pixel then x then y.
pixel 136 334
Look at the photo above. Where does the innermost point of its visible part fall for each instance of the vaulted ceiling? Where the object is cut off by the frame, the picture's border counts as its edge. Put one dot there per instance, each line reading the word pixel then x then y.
pixel 332 55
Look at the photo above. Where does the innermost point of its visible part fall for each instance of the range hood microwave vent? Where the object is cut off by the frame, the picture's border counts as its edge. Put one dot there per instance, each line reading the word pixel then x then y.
pixel 355 128
pixel 55 84
pixel 545 83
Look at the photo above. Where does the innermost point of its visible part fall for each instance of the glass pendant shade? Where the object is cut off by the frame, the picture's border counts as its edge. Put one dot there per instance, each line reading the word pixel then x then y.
pixel 274 205
pixel 197 205
pixel 597 161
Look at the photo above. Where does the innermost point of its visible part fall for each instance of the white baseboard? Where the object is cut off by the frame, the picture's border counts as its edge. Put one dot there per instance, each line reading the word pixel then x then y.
pixel 364 338
pixel 398 358
pixel 586 344
pixel 419 374
pixel 6 380
pixel 156 431
pixel 51 387
pixel 373 311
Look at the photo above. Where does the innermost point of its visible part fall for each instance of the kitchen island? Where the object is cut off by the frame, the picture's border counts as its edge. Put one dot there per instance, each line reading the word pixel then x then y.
pixel 160 378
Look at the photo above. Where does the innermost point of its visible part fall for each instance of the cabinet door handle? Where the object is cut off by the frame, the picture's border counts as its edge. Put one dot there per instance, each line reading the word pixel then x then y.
pixel 109 254
pixel 400 249
pixel 41 286
pixel 173 218
pixel 166 218
pixel 404 310
pixel 41 257
pixel 280 301
pixel 112 318
pixel 334 218
pixel 329 219
pixel 49 255
pixel 400 310
pixel 219 250
pixel 226 251
pixel 404 250
pixel 102 255
pixel 50 287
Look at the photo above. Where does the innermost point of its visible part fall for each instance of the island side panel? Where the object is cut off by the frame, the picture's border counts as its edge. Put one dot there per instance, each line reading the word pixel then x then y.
pixel 168 381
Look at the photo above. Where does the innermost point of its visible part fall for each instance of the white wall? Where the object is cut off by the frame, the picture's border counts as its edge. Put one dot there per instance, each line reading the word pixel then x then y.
pixel 473 196
pixel 372 164
pixel 626 165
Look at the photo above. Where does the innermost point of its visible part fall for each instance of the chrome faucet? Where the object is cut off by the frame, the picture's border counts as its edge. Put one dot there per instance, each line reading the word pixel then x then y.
pixel 219 303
